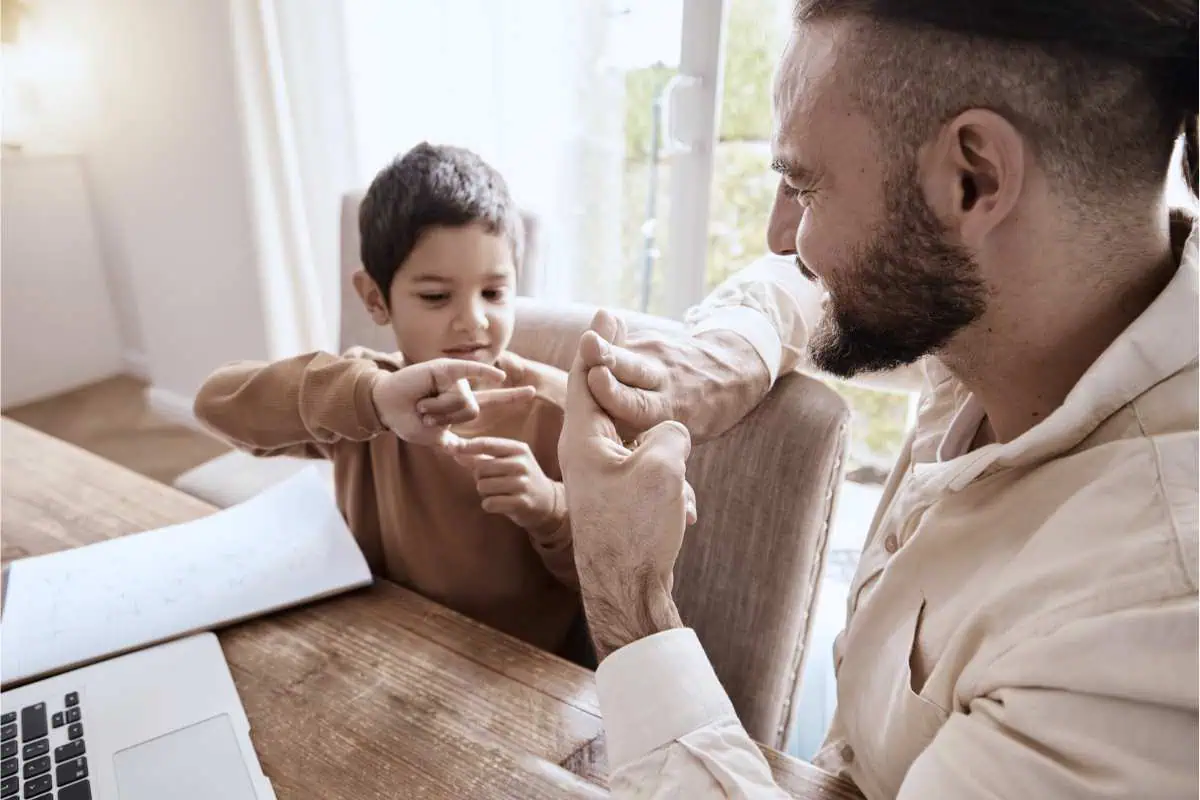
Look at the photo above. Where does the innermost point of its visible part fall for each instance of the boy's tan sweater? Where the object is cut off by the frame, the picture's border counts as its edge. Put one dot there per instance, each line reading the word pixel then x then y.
pixel 414 510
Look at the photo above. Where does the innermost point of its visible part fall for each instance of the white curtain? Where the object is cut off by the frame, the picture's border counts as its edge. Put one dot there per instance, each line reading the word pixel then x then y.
pixel 291 65
pixel 521 82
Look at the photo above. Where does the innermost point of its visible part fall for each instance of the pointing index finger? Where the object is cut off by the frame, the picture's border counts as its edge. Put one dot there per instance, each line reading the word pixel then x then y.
pixel 494 446
pixel 499 397
pixel 446 372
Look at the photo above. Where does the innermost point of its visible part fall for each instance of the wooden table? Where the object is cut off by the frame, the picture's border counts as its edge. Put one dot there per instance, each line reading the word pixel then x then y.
pixel 379 693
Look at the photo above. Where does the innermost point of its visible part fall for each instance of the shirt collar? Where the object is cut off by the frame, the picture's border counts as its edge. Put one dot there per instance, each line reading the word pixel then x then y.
pixel 1163 340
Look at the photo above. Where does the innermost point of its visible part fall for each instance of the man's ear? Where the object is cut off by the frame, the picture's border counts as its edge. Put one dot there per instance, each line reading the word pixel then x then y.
pixel 973 173
pixel 372 298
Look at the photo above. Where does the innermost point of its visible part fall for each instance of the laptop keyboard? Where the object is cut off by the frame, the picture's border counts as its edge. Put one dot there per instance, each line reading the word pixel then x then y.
pixel 28 768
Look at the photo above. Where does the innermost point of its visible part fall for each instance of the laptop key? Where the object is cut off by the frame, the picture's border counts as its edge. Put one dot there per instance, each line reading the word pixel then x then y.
pixel 76 791
pixel 59 719
pixel 8 749
pixel 71 771
pixel 71 700
pixel 68 751
pixel 9 766
pixel 39 766
pixel 35 749
pixel 75 731
pixel 33 722
pixel 8 718
pixel 38 787
pixel 8 731
pixel 10 786
pixel 74 714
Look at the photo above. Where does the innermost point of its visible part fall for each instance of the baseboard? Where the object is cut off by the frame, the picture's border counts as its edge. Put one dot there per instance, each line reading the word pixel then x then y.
pixel 136 364
pixel 172 407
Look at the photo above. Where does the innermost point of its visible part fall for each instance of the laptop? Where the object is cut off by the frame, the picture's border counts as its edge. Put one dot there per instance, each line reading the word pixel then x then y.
pixel 165 722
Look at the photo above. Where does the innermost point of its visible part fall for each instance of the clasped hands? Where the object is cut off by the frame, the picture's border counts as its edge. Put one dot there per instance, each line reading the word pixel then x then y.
pixel 629 505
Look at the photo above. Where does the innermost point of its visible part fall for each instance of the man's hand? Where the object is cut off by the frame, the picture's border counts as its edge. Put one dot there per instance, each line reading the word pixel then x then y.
pixel 421 401
pixel 511 482
pixel 628 513
pixel 708 382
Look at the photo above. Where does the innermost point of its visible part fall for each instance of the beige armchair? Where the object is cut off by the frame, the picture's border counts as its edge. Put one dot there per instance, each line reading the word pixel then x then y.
pixel 749 570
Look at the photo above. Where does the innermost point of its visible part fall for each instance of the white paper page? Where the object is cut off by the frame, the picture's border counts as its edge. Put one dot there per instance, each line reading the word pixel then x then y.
pixel 286 546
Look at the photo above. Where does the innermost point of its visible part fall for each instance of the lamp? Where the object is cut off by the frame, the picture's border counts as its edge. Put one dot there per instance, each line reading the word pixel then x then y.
pixel 11 12
pixel 12 121
pixel 47 100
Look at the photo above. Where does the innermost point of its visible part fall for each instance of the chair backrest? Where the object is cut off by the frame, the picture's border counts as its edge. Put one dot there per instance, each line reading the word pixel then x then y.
pixel 749 571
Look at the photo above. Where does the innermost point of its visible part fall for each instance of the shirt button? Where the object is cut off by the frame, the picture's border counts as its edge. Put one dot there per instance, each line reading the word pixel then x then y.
pixel 891 543
pixel 847 754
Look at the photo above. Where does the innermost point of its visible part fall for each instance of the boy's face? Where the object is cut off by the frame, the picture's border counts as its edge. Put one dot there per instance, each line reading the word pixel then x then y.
pixel 452 297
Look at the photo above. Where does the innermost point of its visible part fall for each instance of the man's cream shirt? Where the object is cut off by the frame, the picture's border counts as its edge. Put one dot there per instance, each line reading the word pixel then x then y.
pixel 1023 622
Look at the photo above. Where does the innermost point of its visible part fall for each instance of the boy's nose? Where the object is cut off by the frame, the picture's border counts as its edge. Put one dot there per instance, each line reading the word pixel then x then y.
pixel 472 318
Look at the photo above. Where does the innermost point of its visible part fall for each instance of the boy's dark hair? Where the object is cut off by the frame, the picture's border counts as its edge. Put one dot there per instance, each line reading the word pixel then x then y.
pixel 1102 88
pixel 427 187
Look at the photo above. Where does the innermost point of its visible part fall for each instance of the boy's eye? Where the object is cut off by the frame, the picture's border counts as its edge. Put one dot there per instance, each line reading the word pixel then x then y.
pixel 495 295
pixel 434 297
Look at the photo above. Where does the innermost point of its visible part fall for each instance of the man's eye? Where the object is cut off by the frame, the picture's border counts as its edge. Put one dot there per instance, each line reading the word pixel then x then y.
pixel 802 196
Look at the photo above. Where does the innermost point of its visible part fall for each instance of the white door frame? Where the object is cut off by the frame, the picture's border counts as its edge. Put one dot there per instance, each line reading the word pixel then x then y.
pixel 692 128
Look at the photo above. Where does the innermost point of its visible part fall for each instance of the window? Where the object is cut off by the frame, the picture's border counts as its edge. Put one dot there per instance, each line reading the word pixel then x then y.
pixel 743 188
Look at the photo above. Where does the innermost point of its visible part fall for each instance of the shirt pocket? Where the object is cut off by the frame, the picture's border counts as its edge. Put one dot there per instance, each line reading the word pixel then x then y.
pixel 907 720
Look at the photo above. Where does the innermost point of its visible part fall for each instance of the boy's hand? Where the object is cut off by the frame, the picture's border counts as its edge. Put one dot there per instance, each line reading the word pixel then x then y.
pixel 420 402
pixel 511 482
pixel 515 367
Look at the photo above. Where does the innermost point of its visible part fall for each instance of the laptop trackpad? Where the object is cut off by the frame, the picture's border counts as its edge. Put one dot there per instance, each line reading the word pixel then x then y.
pixel 199 762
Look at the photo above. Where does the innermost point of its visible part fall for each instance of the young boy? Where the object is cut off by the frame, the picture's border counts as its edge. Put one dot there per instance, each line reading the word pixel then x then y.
pixel 452 490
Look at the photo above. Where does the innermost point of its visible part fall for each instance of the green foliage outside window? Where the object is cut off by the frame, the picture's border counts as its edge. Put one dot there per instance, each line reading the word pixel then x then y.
pixel 743 189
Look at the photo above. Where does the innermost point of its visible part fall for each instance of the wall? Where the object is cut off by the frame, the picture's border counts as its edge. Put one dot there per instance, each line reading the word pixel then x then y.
pixel 59 331
pixel 163 149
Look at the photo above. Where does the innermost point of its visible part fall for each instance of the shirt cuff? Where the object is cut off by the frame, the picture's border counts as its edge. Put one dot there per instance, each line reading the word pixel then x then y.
pixel 751 325
pixel 657 690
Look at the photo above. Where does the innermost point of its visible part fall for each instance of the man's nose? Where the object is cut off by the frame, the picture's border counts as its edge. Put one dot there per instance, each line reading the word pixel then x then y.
pixel 783 223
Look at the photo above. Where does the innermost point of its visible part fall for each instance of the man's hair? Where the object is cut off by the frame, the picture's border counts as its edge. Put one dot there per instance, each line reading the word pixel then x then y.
pixel 1101 89
pixel 430 186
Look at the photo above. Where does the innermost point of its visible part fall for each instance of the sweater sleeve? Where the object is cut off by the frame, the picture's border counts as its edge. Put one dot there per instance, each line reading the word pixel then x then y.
pixel 300 406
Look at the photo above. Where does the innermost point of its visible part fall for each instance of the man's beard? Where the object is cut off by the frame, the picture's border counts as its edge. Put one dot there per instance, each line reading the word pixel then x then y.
pixel 906 294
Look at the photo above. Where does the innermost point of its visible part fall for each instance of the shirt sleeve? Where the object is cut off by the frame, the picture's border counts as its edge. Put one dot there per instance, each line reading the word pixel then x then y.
pixel 774 307
pixel 670 727
pixel 1102 708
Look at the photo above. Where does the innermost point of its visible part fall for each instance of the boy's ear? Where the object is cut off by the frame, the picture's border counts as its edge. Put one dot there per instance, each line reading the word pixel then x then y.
pixel 372 298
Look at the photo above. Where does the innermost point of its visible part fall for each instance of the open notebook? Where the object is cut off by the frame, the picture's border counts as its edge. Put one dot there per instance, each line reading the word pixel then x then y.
pixel 286 546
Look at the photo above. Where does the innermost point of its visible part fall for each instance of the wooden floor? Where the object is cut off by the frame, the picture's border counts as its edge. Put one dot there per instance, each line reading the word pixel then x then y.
pixel 111 419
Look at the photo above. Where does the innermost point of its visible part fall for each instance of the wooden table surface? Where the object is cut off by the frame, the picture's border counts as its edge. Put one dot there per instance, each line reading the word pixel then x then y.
pixel 379 693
